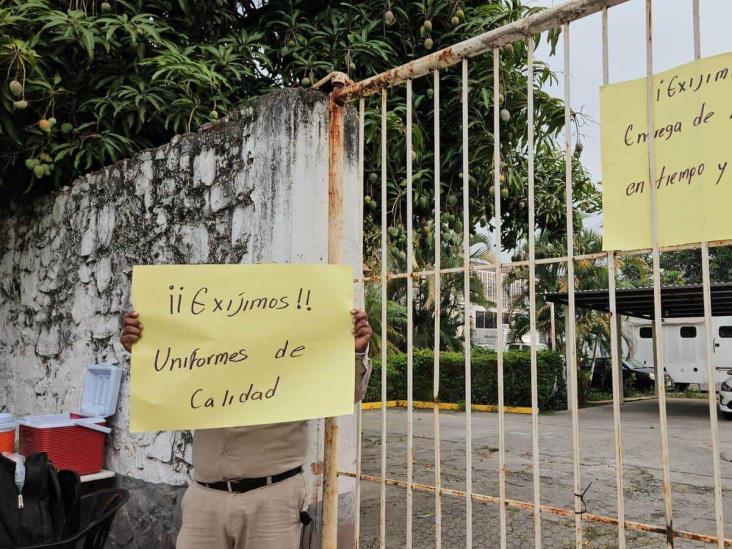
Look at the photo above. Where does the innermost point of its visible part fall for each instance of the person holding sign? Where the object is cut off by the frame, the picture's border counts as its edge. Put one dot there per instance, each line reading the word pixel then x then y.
pixel 248 490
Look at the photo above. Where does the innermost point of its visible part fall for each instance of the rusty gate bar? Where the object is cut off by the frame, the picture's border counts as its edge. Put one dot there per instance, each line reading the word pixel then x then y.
pixel 362 304
pixel 329 517
pixel 617 381
pixel 708 327
pixel 499 294
pixel 438 307
pixel 384 341
pixel 615 335
pixel 410 321
pixel 547 19
pixel 546 261
pixel 466 319
pixel 532 296
pixel 658 339
pixel 711 394
pixel 553 510
pixel 571 340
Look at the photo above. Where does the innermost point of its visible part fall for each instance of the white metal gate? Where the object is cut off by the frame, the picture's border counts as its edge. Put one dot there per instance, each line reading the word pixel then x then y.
pixel 560 16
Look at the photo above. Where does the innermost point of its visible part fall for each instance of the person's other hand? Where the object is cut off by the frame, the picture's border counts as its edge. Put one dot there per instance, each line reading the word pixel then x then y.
pixel 361 330
pixel 131 330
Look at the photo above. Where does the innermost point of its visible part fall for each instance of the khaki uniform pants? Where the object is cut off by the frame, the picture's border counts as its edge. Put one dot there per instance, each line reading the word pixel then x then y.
pixel 265 518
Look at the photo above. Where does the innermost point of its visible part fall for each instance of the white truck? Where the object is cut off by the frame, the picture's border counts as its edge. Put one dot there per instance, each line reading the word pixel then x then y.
pixel 684 341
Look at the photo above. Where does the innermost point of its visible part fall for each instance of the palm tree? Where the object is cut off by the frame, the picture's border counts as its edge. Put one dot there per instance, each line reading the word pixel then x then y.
pixel 451 300
pixel 591 328
pixel 396 314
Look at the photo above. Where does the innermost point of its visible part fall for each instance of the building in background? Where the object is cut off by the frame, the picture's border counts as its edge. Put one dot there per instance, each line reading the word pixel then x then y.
pixel 484 320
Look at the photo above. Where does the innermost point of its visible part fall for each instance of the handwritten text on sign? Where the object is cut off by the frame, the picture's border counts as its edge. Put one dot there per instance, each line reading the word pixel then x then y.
pixel 233 345
pixel 693 118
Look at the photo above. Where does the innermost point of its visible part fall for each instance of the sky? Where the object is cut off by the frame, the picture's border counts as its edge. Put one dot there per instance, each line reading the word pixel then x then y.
pixel 673 46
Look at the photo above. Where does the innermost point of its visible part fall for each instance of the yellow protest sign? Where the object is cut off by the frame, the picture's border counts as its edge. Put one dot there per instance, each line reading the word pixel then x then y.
pixel 234 345
pixel 693 118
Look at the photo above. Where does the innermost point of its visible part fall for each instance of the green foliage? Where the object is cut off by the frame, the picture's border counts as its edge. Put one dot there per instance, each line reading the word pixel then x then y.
pixel 685 266
pixel 592 328
pixel 90 82
pixel 517 378
pixel 601 387
pixel 549 160
pixel 115 82
pixel 121 79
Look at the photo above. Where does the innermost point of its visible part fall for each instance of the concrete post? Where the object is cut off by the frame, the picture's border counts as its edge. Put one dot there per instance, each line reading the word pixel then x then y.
pixel 344 247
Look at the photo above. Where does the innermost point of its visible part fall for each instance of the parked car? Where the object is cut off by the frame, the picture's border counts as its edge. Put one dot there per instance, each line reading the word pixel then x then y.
pixel 513 346
pixel 724 397
pixel 634 373
pixel 526 347
pixel 645 376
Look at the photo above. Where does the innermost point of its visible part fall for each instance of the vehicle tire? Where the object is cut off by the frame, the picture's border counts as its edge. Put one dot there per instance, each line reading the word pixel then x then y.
pixel 681 387
pixel 726 415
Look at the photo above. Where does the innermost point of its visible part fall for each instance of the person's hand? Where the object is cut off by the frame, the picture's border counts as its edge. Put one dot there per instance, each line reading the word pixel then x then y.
pixel 131 330
pixel 361 330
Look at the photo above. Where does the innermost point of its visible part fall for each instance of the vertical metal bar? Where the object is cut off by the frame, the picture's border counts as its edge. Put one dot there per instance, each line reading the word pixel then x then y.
pixel 438 295
pixel 619 331
pixel 709 328
pixel 570 334
pixel 553 322
pixel 617 379
pixel 655 361
pixel 605 49
pixel 657 317
pixel 499 294
pixel 697 29
pixel 359 419
pixel 384 320
pixel 711 394
pixel 532 299
pixel 335 255
pixel 567 374
pixel 466 320
pixel 410 320
pixel 615 348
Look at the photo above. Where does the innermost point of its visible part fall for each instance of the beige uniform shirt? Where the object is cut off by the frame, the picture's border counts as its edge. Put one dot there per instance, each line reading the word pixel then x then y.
pixel 260 450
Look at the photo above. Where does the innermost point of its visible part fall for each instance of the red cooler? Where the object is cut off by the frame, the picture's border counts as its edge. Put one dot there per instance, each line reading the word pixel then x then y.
pixel 76 440
pixel 7 433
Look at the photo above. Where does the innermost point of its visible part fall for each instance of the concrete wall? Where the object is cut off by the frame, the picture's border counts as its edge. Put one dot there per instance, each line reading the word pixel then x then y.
pixel 250 188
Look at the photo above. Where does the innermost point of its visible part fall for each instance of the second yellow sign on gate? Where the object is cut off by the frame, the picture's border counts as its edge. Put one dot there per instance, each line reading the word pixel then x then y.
pixel 693 177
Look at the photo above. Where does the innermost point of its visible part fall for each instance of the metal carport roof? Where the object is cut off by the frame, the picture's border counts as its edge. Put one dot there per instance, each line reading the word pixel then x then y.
pixel 676 301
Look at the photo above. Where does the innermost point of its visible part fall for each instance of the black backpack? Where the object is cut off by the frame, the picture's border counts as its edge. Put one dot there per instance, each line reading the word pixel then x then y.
pixel 50 509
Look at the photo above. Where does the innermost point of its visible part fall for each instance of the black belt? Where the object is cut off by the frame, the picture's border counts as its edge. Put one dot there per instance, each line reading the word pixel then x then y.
pixel 246 484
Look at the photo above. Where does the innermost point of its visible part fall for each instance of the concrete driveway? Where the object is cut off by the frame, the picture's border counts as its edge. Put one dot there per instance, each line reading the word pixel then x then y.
pixel 691 472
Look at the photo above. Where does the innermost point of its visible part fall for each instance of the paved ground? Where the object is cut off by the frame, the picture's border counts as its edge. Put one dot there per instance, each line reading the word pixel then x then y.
pixel 691 466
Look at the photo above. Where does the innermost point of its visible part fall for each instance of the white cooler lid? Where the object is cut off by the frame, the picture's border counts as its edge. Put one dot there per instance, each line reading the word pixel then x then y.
pixel 52 421
pixel 7 421
pixel 47 421
pixel 101 390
